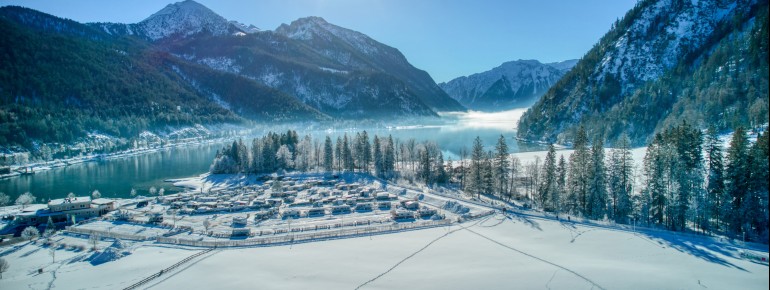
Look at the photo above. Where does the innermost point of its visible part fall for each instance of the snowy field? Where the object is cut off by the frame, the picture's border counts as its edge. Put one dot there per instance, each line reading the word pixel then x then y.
pixel 498 252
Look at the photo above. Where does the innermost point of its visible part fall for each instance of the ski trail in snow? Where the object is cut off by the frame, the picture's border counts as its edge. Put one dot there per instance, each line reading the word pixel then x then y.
pixel 166 277
pixel 537 258
pixel 549 280
pixel 417 252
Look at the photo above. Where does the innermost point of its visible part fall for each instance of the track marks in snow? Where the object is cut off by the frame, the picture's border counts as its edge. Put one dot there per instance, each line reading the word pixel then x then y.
pixel 549 280
pixel 417 252
pixel 537 258
pixel 573 231
pixel 167 276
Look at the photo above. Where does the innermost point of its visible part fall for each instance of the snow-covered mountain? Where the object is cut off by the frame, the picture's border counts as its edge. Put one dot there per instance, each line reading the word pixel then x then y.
pixel 663 62
pixel 514 84
pixel 179 20
pixel 186 65
pixel 353 50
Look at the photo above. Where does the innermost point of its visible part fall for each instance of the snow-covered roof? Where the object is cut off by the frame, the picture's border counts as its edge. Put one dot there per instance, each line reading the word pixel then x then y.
pixel 102 201
pixel 77 199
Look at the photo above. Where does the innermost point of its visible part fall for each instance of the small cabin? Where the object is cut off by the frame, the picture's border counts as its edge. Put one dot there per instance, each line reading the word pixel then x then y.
pixel 239 221
pixel 401 214
pixel 427 212
pixel 382 195
pixel 364 207
pixel 240 232
pixel 316 211
pixel 410 204
pixel 290 213
pixel 339 209
pixel 155 218
pixel 262 215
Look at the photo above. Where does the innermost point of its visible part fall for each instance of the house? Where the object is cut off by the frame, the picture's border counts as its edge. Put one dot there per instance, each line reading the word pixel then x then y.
pixel 400 214
pixel 64 210
pixel 427 212
pixel 240 232
pixel 364 207
pixel 382 195
pixel 290 213
pixel 410 204
pixel 339 209
pixel 316 211
pixel 239 221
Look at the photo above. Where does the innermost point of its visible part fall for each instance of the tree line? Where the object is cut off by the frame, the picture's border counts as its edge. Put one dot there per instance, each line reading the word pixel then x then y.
pixel 686 182
pixel 382 156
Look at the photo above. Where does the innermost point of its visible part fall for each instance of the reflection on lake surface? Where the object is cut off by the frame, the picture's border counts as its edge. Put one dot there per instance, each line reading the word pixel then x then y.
pixel 116 177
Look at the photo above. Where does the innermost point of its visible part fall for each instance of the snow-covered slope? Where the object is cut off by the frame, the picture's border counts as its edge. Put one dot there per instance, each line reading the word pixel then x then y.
pixel 181 19
pixel 643 75
pixel 353 50
pixel 514 84
pixel 501 252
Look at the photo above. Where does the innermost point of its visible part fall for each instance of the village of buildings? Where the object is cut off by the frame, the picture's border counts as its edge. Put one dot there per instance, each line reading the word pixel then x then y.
pixel 265 210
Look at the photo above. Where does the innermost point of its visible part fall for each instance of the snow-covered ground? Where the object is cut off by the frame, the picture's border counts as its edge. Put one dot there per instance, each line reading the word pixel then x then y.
pixel 514 251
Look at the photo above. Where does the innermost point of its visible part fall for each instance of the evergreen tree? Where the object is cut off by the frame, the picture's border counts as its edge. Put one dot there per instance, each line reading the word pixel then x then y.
pixel 597 187
pixel 501 166
pixel 379 167
pixel 347 155
pixel 655 180
pixel 755 207
pixel 441 174
pixel 487 174
pixel 475 179
pixel 737 175
pixel 390 158
pixel 561 183
pixel 338 153
pixel 716 184
pixel 621 181
pixel 577 178
pixel 328 155
pixel 366 154
pixel 548 196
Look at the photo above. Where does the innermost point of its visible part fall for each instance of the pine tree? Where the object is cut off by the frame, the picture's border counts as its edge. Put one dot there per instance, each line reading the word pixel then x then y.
pixel 597 187
pixel 716 185
pixel 475 179
pixel 338 154
pixel 561 183
pixel 501 166
pixel 621 181
pixel 379 167
pixel 577 178
pixel 737 176
pixel 548 196
pixel 655 180
pixel 366 154
pixel 347 155
pixel 328 155
pixel 755 207
pixel 487 174
pixel 390 158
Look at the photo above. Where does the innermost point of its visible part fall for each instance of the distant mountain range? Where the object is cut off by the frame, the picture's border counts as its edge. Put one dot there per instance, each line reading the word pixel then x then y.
pixel 186 65
pixel 514 84
pixel 667 61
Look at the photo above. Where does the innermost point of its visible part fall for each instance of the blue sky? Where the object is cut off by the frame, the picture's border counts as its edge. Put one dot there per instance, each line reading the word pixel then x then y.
pixel 446 38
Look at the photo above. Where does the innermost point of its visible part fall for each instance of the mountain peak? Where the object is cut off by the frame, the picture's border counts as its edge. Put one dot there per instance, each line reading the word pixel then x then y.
pixel 183 19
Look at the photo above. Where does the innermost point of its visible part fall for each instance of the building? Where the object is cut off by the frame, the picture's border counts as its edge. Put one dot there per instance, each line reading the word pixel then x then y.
pixel 64 210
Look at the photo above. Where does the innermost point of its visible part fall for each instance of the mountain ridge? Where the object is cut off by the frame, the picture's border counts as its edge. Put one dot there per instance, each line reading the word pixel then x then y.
pixel 657 66
pixel 512 84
